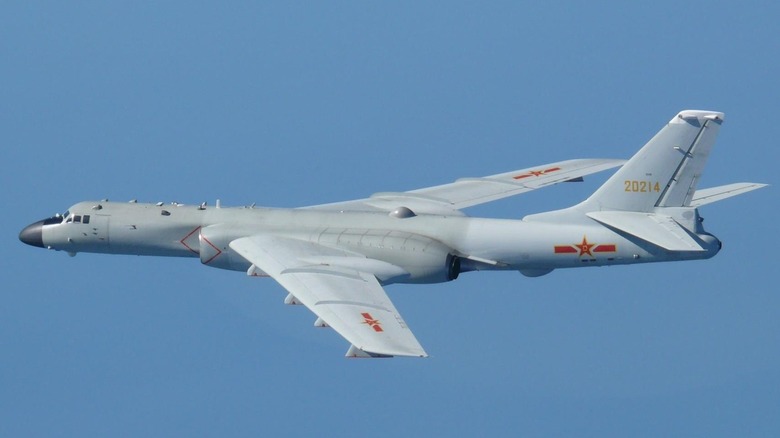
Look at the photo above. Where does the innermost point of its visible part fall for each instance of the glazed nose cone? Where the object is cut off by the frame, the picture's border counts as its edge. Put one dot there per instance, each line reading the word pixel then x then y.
pixel 33 234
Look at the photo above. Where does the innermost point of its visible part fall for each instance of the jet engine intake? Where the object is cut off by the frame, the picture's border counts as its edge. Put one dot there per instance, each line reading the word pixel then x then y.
pixel 214 243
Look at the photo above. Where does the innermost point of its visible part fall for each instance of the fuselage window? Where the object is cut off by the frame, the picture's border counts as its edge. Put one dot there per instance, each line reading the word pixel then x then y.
pixel 70 219
pixel 77 219
pixel 86 219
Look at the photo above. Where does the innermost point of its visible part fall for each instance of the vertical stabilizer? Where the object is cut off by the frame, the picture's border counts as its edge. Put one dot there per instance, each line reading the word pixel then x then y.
pixel 664 173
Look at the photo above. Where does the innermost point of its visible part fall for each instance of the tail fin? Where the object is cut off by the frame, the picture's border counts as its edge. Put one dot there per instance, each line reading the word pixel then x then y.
pixel 664 173
pixel 653 196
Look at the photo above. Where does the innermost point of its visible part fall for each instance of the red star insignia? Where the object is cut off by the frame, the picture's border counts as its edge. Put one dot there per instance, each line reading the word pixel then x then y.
pixel 531 173
pixel 371 322
pixel 585 247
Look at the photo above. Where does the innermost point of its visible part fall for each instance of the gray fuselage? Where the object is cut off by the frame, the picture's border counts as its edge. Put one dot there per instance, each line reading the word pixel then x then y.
pixel 427 248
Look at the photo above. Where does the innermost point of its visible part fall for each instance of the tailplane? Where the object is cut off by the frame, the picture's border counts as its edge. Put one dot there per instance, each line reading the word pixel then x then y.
pixel 714 194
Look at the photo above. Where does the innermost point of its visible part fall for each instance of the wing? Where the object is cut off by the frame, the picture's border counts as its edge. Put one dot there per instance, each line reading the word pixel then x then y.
pixel 467 192
pixel 337 286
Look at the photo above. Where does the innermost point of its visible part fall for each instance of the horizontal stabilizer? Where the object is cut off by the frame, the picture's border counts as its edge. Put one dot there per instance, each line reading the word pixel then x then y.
pixel 657 229
pixel 714 194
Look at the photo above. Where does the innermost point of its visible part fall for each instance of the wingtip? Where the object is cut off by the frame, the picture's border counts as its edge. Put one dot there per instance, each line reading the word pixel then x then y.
pixel 358 353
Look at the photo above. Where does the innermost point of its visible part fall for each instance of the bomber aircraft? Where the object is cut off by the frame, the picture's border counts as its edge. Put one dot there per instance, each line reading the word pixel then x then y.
pixel 336 258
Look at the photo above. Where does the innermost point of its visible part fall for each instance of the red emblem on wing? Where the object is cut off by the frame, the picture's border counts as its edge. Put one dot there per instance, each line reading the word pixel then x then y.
pixel 537 173
pixel 373 323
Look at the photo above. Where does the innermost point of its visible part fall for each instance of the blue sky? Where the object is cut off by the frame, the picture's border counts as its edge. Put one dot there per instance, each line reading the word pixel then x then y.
pixel 300 103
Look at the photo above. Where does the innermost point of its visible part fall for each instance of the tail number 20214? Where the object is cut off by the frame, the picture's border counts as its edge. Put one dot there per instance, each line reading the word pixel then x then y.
pixel 641 186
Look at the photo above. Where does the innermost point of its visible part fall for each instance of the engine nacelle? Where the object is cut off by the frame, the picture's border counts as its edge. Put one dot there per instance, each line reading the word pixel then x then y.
pixel 425 259
pixel 214 248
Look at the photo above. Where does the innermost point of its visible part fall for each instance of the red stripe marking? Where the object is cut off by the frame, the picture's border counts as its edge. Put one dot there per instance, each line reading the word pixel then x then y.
pixel 568 249
pixel 184 240
pixel 215 255
pixel 605 248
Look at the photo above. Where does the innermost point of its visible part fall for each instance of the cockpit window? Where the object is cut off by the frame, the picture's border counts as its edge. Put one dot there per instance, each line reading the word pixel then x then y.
pixel 68 219
pixel 54 220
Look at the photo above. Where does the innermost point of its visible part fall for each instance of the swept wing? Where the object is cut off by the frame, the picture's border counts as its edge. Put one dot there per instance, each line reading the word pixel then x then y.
pixel 448 199
pixel 337 286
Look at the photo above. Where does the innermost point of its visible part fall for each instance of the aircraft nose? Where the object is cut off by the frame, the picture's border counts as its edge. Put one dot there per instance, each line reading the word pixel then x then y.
pixel 33 234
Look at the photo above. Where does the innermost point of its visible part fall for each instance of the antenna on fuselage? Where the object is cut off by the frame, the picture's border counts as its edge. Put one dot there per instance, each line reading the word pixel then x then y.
pixel 218 204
